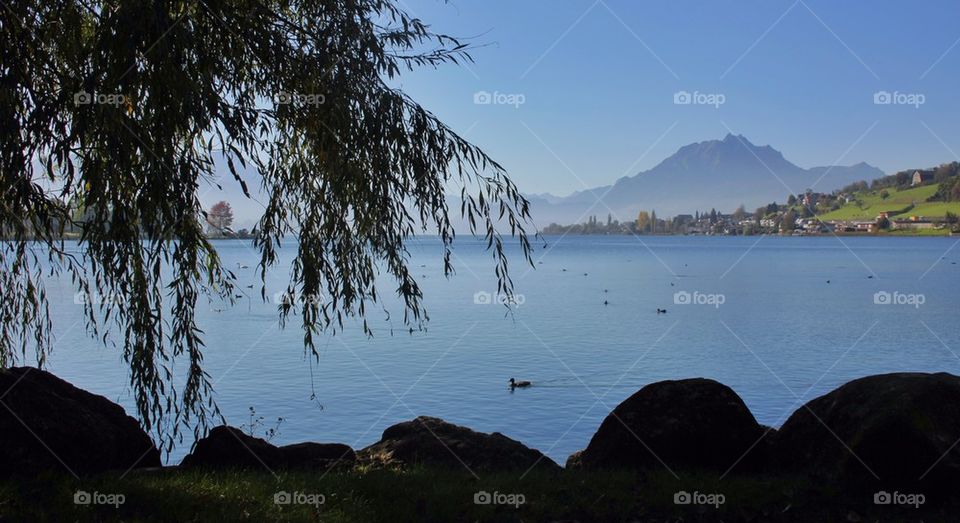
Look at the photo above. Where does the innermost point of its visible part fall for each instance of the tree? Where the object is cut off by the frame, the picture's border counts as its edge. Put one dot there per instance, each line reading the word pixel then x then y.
pixel 789 221
pixel 643 221
pixel 133 108
pixel 653 221
pixel 740 214
pixel 791 200
pixel 220 218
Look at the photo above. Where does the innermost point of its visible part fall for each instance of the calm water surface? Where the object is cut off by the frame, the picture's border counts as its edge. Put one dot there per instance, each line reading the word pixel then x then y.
pixel 782 335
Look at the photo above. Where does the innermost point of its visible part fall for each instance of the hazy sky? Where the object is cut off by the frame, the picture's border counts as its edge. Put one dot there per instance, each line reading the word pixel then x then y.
pixel 597 80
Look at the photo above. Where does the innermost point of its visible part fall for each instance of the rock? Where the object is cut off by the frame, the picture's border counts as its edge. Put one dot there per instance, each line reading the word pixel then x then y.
pixel 688 424
pixel 229 447
pixel 902 427
pixel 48 424
pixel 575 461
pixel 435 443
pixel 317 455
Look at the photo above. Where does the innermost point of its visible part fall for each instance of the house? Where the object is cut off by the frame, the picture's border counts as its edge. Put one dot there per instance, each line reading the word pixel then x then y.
pixel 913 222
pixel 920 178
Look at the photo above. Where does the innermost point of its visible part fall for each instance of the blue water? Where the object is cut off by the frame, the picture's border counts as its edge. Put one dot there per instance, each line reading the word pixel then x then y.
pixel 782 335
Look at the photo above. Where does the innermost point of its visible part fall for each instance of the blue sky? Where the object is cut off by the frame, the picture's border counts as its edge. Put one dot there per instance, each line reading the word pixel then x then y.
pixel 598 79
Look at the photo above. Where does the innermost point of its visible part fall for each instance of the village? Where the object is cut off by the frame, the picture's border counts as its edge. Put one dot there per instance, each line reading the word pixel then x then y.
pixel 918 202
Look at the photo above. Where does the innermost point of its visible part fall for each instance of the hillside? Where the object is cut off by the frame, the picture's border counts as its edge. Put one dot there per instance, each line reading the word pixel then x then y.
pixel 913 202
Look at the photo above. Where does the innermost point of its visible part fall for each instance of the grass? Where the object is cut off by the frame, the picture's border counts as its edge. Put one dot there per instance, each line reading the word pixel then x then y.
pixel 918 232
pixel 899 201
pixel 422 495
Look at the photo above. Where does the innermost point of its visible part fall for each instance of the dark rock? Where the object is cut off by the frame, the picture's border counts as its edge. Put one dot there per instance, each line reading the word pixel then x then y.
pixel 434 442
pixel 317 455
pixel 229 447
pixel 900 428
pixel 687 424
pixel 48 424
pixel 575 461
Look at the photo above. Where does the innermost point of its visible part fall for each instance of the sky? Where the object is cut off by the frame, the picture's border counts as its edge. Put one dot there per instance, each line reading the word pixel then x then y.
pixel 582 91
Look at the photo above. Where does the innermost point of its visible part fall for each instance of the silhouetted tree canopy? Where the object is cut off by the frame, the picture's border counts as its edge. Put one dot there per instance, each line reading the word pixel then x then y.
pixel 129 106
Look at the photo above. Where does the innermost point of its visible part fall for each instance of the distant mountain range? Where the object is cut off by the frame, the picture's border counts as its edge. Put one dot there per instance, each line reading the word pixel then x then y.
pixel 719 174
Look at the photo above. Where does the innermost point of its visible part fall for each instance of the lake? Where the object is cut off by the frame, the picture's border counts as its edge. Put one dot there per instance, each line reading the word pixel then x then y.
pixel 755 313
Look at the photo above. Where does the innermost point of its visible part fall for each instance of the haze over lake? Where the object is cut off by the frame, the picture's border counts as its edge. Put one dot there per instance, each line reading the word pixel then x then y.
pixel 760 316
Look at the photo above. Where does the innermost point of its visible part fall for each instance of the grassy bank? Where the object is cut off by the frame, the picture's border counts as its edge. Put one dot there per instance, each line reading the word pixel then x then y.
pixel 422 495
pixel 912 201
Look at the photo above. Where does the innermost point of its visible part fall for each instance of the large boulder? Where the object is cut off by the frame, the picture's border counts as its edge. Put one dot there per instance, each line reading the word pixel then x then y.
pixel 231 448
pixel 433 442
pixel 48 424
pixel 687 424
pixel 896 431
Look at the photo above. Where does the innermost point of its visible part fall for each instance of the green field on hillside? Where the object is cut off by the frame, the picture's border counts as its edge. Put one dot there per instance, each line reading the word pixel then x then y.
pixel 870 204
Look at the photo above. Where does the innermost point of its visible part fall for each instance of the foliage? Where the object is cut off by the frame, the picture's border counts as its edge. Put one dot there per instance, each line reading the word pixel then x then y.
pixel 220 218
pixel 131 105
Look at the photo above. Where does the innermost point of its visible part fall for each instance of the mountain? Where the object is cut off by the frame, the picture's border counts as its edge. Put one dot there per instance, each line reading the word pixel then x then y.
pixel 718 174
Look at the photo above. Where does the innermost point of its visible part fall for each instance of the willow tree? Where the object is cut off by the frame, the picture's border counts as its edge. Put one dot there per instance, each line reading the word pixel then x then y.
pixel 129 106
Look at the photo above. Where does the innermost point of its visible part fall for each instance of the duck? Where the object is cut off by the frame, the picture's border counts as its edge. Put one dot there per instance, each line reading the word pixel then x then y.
pixel 661 311
pixel 241 266
pixel 514 384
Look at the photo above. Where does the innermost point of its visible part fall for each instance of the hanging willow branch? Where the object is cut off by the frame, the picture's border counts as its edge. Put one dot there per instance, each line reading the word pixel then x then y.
pixel 114 113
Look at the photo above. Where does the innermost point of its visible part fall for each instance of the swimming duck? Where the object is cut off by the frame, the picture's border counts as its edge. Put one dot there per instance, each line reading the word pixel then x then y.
pixel 514 384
